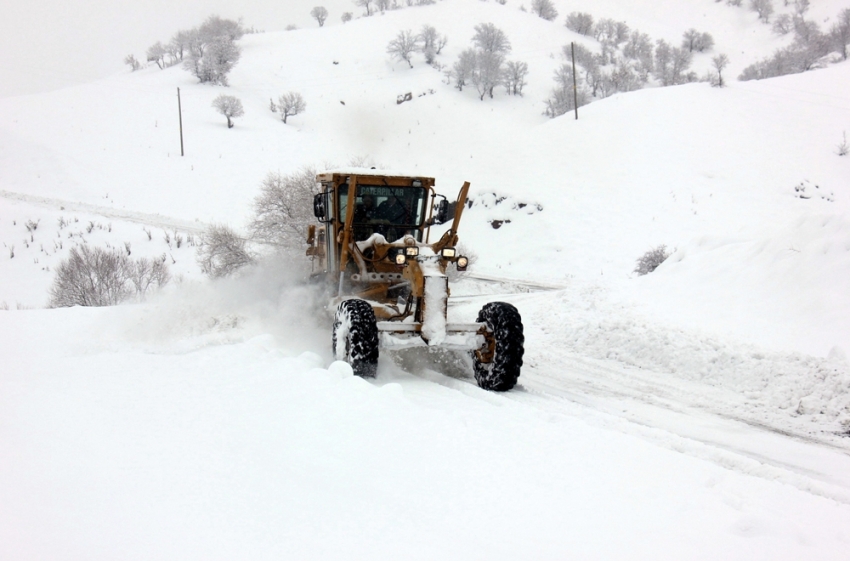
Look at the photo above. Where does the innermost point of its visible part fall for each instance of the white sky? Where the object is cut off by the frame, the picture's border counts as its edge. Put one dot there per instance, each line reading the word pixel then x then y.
pixel 48 44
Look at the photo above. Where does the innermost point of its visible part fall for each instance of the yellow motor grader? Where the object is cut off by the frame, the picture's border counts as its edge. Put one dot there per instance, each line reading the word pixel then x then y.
pixel 388 282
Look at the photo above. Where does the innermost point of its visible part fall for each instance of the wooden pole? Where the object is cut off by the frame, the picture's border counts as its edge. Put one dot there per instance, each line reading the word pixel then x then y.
pixel 180 114
pixel 575 88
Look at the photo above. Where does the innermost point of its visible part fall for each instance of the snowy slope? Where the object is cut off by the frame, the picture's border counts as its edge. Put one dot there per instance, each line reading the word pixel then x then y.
pixel 700 411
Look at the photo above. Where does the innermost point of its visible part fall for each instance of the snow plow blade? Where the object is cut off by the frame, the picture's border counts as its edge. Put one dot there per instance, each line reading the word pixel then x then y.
pixel 459 336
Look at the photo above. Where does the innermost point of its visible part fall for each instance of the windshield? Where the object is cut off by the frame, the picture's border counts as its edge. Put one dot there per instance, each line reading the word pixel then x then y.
pixel 389 211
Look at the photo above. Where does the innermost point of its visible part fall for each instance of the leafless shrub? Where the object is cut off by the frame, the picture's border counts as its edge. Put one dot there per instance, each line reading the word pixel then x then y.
pixel 132 62
pixel 90 277
pixel 650 260
pixel 222 252
pixel 843 148
pixel 147 272
pixel 103 277
pixel 544 8
pixel 580 22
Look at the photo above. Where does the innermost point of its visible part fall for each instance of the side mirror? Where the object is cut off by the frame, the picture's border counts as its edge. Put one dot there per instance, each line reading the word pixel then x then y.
pixel 442 214
pixel 319 209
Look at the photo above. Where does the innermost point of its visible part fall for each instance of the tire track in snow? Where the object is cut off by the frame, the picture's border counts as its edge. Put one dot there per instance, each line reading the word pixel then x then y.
pixel 555 402
pixel 710 423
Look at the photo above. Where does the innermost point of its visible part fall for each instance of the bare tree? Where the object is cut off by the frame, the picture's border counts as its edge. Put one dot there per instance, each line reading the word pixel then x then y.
pixel 430 42
pixel 609 31
pixel 365 4
pixel 212 51
pixel 289 104
pixel 156 53
pixel 403 46
pixel 463 68
pixel 320 14
pixel 693 40
pixel 382 5
pixel 513 77
pixel 705 42
pixel 663 58
pixel 563 98
pixel 284 208
pixel 222 252
pixel 840 33
pixel 228 106
pixel 544 8
pixel 580 22
pixel 764 9
pixel 179 44
pixel 681 62
pixel 783 24
pixel 671 64
pixel 215 27
pixel 720 62
pixel 639 48
pixel 488 72
pixel 132 62
pixel 490 39
pixel 217 58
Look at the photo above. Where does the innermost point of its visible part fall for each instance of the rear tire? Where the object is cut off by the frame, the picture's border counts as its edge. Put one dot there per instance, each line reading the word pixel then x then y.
pixel 355 337
pixel 505 340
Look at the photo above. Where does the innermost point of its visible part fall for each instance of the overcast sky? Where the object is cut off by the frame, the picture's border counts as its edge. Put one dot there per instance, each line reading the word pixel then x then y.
pixel 48 44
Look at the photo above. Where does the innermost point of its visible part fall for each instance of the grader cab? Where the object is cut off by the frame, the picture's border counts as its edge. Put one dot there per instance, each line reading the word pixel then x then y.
pixel 388 281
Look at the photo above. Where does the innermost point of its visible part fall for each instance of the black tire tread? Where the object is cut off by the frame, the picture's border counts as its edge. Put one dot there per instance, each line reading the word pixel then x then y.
pixel 361 346
pixel 505 324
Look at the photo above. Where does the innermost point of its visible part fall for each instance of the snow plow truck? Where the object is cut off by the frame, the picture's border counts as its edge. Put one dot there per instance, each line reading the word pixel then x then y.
pixel 387 282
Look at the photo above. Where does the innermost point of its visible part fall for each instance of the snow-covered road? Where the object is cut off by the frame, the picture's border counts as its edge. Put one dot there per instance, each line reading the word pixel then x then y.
pixel 221 427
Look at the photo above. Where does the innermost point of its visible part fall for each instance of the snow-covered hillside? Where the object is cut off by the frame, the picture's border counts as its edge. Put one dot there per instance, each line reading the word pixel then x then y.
pixel 700 411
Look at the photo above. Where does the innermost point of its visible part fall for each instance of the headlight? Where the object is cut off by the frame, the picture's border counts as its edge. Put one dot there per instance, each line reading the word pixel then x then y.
pixel 448 252
pixel 462 263
pixel 411 251
pixel 400 259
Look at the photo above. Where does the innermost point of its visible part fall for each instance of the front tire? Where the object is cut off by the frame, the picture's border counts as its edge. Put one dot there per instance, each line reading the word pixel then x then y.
pixel 497 364
pixel 355 337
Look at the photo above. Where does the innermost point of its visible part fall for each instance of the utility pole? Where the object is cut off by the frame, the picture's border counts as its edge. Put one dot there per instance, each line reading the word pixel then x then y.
pixel 180 113
pixel 575 88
